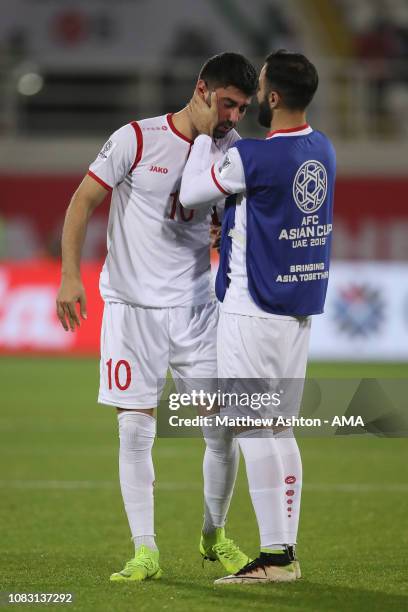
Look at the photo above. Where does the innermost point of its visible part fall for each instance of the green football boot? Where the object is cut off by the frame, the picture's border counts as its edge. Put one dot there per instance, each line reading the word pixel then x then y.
pixel 143 566
pixel 216 547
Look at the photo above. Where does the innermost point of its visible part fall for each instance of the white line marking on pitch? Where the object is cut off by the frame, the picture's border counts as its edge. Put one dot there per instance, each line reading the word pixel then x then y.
pixel 185 486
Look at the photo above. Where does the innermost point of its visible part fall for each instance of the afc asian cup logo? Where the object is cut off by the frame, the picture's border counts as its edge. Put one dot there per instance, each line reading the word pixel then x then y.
pixel 310 186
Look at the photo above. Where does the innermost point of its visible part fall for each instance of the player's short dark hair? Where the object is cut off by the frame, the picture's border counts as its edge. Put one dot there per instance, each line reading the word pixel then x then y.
pixel 293 76
pixel 230 70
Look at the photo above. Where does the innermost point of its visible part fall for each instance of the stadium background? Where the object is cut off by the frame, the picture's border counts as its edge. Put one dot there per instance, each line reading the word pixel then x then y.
pixel 72 72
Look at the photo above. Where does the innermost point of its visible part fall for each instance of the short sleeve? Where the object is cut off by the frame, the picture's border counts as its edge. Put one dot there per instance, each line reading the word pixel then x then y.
pixel 118 156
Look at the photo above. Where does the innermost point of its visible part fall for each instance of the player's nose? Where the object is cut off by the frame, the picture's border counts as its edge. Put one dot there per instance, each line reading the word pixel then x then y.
pixel 234 115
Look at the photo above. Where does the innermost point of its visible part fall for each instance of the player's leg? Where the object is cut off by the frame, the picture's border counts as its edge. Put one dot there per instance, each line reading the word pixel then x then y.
pixel 220 467
pixel 289 453
pixel 251 348
pixel 134 356
pixel 194 365
pixel 287 444
pixel 137 429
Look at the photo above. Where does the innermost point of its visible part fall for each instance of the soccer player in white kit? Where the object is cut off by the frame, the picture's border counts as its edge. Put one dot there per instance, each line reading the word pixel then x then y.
pixel 159 312
pixel 277 187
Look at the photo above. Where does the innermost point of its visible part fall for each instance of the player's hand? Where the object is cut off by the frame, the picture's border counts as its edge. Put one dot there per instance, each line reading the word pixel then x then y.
pixel 203 116
pixel 71 293
pixel 215 236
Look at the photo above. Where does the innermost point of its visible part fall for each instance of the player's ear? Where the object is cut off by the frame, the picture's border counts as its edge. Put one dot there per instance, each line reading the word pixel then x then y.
pixel 274 99
pixel 202 88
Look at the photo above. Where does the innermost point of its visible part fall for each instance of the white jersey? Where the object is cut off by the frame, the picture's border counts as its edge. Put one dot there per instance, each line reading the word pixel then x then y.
pixel 158 252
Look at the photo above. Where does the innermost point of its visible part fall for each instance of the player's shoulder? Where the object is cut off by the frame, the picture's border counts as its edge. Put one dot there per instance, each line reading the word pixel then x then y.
pixel 158 123
pixel 143 129
pixel 124 131
pixel 121 141
pixel 132 135
pixel 323 144
pixel 154 124
pixel 324 139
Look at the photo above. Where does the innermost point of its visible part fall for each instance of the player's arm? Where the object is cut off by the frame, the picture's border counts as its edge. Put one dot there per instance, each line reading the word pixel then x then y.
pixel 201 187
pixel 110 167
pixel 87 197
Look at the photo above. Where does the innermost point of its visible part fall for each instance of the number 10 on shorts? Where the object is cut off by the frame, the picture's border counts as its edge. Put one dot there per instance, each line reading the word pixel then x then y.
pixel 122 374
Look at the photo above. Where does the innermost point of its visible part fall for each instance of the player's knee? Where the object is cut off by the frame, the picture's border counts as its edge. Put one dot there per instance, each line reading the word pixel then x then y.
pixel 136 433
pixel 287 445
pixel 220 441
pixel 258 445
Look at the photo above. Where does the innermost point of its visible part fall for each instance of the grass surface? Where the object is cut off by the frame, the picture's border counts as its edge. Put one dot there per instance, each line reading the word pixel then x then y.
pixel 63 527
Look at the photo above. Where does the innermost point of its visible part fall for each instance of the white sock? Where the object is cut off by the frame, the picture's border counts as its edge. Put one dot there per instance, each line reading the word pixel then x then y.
pixel 144 541
pixel 292 476
pixel 265 479
pixel 220 467
pixel 136 433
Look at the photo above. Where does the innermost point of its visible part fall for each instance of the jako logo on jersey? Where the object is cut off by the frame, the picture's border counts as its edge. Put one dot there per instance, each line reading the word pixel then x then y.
pixel 310 186
pixel 158 169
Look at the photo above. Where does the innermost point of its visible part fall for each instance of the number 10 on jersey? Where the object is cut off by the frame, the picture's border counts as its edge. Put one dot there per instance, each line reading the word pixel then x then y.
pixel 178 210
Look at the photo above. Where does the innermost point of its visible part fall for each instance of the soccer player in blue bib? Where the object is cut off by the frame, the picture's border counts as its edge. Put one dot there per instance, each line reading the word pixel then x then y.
pixel 273 275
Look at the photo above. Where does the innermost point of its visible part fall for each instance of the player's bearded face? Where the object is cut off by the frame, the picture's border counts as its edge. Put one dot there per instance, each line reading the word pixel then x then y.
pixel 265 113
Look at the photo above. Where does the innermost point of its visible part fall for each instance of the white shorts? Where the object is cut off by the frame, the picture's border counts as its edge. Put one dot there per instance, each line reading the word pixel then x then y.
pixel 138 345
pixel 272 349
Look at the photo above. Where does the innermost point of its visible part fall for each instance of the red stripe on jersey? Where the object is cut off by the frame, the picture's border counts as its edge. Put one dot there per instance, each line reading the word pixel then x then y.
pixel 288 130
pixel 175 130
pixel 217 183
pixel 99 180
pixel 139 148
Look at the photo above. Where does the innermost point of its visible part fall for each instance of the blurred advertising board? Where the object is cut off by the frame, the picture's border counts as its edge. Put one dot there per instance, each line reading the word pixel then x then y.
pixel 366 314
pixel 370 218
pixel 28 322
